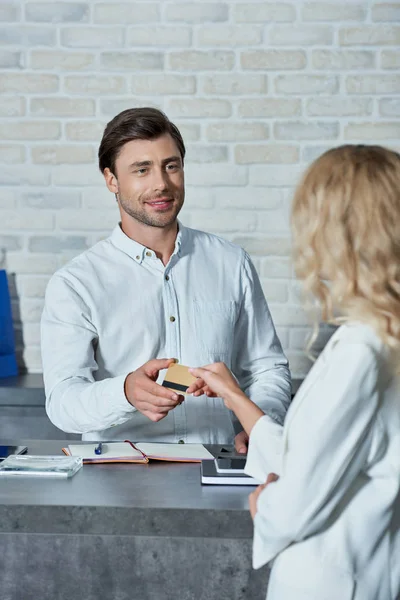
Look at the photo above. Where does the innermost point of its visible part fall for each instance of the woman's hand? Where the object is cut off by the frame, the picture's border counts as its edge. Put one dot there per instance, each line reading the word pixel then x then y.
pixel 216 380
pixel 254 495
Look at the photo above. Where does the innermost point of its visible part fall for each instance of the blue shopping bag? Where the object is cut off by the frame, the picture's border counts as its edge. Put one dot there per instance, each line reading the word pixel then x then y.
pixel 8 362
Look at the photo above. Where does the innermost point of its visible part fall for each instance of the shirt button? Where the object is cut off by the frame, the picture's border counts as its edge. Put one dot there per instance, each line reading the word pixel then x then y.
pixel 137 257
pixel 181 442
pixel 172 319
pixel 148 253
pixel 167 278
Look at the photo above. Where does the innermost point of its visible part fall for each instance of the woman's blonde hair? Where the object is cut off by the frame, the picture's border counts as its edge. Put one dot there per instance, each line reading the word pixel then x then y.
pixel 346 230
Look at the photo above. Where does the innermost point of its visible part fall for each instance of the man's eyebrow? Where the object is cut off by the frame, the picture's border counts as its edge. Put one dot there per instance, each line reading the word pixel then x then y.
pixel 171 159
pixel 141 163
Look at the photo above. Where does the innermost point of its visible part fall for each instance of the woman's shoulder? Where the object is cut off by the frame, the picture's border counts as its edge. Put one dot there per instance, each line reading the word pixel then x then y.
pixel 357 334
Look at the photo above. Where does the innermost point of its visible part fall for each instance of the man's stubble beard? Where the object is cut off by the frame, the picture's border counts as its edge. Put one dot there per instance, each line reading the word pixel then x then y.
pixel 157 220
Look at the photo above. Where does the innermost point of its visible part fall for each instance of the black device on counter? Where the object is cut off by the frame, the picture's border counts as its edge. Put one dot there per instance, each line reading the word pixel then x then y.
pixel 9 450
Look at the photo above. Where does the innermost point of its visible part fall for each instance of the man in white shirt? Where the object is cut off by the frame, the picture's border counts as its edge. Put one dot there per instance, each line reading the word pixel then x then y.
pixel 155 291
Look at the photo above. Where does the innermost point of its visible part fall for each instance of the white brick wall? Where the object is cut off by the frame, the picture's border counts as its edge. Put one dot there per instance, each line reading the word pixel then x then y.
pixel 258 90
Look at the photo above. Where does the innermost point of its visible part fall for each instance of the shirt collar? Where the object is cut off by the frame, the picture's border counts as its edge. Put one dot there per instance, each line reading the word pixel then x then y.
pixel 136 250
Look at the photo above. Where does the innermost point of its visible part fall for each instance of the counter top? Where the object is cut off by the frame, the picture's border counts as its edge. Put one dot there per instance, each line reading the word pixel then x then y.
pixel 159 498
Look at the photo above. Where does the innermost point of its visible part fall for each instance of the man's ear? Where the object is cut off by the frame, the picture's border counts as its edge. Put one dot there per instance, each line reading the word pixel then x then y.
pixel 111 181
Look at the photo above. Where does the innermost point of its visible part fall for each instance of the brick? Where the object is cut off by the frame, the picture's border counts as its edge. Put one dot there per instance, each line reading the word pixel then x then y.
pixel 77 175
pixel 126 12
pixel 205 153
pixel 370 35
pixel 342 60
pixel 92 37
pixel 311 153
pixel 90 220
pixel 62 107
pixel 390 59
pixel 264 12
pixel 114 106
pixel 28 83
pixel 61 60
pixel 197 12
pixel 373 84
pixel 85 131
pixel 275 291
pixel 198 107
pixel 56 244
pixel 301 35
pixel 216 221
pixel 289 315
pixel 238 83
pixel 56 155
pixel 263 153
pixel 11 106
pixel 249 198
pixel 189 131
pixel 26 220
pixel 273 221
pixel 12 153
pixel 389 107
pixel 57 12
pixel 195 60
pixel 10 59
pixel 305 130
pixel 372 131
pixel 98 197
pixel 96 84
pixel 10 243
pixel 176 36
pixel 215 175
pixel 9 11
pixel 32 287
pixel 8 198
pixel 165 84
pixel 306 84
pixel 54 199
pixel 200 197
pixel 30 130
pixel 28 36
pixel 31 310
pixel 387 11
pixel 270 107
pixel 279 176
pixel 232 131
pixel 131 60
pixel 230 36
pixel 29 175
pixel 333 11
pixel 276 268
pixel 31 334
pixel 32 359
pixel 25 264
pixel 339 106
pixel 261 246
pixel 273 59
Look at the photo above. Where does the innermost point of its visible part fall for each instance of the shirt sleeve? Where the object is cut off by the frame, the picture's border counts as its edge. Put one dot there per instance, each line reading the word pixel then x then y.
pixel 258 361
pixel 326 448
pixel 75 402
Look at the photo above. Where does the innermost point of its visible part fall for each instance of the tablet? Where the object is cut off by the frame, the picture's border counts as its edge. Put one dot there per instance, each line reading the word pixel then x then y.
pixel 230 465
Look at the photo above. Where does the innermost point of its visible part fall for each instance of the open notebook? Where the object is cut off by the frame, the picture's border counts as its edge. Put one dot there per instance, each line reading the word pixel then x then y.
pixel 128 452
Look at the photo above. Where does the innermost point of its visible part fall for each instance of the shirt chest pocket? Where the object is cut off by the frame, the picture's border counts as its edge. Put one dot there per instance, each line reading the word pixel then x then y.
pixel 214 323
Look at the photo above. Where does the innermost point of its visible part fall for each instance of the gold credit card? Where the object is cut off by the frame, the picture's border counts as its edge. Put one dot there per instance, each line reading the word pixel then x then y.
pixel 178 378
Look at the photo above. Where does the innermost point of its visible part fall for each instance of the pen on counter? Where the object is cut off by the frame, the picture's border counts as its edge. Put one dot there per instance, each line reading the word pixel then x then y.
pixel 99 448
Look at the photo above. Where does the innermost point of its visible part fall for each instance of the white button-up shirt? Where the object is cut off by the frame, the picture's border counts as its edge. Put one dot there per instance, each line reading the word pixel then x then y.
pixel 116 306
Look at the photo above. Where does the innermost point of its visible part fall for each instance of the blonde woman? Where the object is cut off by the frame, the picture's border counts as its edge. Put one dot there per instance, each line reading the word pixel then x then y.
pixel 330 516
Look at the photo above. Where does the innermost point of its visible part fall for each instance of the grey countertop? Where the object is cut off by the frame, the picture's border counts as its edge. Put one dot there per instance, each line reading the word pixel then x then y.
pixel 160 498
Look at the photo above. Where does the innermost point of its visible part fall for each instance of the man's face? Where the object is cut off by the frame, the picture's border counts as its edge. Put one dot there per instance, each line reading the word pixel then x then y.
pixel 149 181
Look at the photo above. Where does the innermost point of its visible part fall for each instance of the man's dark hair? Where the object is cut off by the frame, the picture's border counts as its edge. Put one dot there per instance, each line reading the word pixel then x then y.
pixel 135 124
